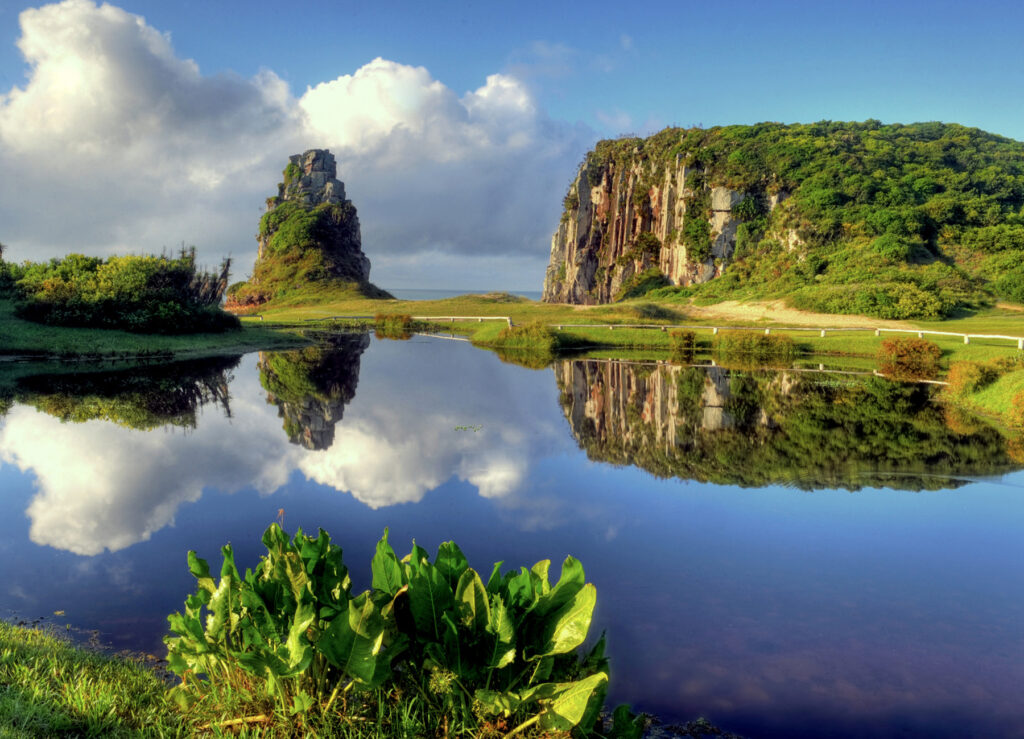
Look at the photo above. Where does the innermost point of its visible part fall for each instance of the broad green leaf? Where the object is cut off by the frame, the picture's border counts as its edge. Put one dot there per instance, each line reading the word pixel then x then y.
pixel 471 596
pixel 352 642
pixel 295 571
pixel 565 704
pixel 387 571
pixel 501 627
pixel 626 724
pixel 228 569
pixel 496 703
pixel 570 582
pixel 541 570
pixel 300 653
pixel 429 598
pixel 200 569
pixel 451 562
pixel 566 628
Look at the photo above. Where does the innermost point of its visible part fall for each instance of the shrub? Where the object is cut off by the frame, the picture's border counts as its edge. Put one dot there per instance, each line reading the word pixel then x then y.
pixel 471 650
pixel 682 345
pixel 752 347
pixel 909 359
pixel 393 325
pixel 968 377
pixel 642 283
pixel 534 336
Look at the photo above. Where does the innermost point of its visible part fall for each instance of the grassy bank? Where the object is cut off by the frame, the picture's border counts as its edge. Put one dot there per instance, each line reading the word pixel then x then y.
pixel 20 337
pixel 48 687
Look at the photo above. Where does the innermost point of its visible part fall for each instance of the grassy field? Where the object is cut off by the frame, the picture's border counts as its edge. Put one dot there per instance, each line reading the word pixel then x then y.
pixel 314 307
pixel 19 337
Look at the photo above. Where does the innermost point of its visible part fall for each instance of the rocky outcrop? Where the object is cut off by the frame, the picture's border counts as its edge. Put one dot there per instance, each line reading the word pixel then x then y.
pixel 311 387
pixel 309 234
pixel 628 213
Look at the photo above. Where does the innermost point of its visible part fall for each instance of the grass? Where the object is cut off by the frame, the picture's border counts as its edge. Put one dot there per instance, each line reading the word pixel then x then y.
pixel 48 687
pixel 20 337
pixel 317 304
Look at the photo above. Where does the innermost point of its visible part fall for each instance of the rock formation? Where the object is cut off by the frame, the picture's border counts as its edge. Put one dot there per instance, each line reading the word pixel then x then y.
pixel 309 234
pixel 311 387
pixel 626 215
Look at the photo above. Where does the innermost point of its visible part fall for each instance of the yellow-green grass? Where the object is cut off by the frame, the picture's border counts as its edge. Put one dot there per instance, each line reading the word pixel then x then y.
pixel 996 399
pixel 19 337
pixel 48 687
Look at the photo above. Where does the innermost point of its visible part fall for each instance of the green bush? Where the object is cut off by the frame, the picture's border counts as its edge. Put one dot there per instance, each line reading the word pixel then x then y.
pixel 749 348
pixel 909 359
pixel 466 650
pixel 642 283
pixel 393 325
pixel 682 345
pixel 534 336
pixel 135 293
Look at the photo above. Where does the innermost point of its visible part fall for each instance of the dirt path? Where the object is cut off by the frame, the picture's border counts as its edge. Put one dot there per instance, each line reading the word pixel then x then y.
pixel 777 312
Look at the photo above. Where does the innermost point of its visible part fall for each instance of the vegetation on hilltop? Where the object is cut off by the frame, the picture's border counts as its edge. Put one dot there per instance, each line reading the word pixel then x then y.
pixel 891 221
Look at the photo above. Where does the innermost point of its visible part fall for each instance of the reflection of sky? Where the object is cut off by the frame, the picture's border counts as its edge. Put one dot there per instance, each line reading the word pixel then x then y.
pixel 773 612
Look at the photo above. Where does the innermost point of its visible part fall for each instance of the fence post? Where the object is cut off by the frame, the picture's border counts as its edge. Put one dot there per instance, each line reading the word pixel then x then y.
pixel 967 339
pixel 767 331
pixel 823 333
pixel 1020 344
pixel 878 332
pixel 920 334
pixel 714 330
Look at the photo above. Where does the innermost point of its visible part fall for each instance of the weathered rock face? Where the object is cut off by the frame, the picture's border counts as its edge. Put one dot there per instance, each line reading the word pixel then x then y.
pixel 628 215
pixel 311 387
pixel 309 234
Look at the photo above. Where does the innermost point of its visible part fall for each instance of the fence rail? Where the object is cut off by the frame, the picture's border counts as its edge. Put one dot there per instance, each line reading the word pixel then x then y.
pixel 921 333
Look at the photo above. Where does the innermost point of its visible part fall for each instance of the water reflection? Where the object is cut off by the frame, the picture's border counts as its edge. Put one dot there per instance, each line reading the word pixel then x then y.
pixel 143 397
pixel 755 428
pixel 312 386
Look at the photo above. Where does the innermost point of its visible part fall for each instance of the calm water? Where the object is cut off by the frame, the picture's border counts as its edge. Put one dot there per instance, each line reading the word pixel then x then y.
pixel 422 294
pixel 785 554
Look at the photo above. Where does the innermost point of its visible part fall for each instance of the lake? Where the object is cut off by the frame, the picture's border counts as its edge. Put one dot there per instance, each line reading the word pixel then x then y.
pixel 787 553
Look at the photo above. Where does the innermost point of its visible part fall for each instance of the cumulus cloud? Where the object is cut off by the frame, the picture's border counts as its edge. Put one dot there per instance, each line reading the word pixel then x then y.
pixel 138 148
pixel 478 175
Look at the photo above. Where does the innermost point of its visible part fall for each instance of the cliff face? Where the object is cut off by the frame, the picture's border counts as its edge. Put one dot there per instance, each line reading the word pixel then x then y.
pixel 631 213
pixel 309 234
pixel 311 387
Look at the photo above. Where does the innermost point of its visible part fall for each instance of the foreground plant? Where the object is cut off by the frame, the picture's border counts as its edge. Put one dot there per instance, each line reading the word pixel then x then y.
pixel 430 645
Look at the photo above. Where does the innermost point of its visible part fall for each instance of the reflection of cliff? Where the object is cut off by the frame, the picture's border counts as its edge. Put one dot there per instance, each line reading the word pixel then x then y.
pixel 756 428
pixel 312 386
pixel 142 397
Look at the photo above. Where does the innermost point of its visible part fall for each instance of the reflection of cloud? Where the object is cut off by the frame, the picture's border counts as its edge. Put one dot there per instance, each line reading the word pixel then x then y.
pixel 101 486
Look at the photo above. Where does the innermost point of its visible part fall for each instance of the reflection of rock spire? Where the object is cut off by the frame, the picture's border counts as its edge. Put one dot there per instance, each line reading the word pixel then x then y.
pixel 312 386
pixel 756 428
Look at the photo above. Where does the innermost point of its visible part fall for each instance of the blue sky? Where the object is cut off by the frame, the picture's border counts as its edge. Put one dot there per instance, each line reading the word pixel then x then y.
pixel 457 146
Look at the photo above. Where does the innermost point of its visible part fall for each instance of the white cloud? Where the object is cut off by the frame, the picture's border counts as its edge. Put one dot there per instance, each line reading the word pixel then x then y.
pixel 141 149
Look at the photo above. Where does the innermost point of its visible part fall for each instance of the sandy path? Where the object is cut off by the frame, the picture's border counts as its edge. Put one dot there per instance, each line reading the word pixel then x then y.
pixel 777 312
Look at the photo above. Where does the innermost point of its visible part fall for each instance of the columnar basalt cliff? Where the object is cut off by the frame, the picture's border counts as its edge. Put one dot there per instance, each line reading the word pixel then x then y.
pixel 890 221
pixel 312 386
pixel 630 216
pixel 309 234
pixel 756 428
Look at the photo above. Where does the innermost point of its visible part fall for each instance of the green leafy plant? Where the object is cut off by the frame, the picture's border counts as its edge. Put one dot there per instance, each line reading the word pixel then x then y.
pixel 500 652
pixel 682 345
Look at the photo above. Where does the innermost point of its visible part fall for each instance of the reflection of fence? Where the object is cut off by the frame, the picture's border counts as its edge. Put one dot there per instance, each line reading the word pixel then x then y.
pixel 432 319
pixel 822 331
pixel 714 329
